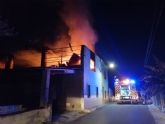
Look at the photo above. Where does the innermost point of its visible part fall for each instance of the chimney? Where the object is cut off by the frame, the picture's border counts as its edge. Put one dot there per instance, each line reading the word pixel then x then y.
pixel 43 57
pixel 9 62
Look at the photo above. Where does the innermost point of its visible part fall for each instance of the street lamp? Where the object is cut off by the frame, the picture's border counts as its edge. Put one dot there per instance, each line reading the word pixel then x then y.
pixel 111 65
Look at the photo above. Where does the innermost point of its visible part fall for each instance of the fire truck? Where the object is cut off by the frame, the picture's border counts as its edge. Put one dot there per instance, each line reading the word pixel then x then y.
pixel 125 91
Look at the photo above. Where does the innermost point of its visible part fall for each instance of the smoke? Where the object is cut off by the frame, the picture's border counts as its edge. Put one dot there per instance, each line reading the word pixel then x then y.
pixel 77 19
pixel 52 24
pixel 76 16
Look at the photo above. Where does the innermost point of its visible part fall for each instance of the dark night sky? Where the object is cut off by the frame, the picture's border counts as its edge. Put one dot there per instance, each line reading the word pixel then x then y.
pixel 123 27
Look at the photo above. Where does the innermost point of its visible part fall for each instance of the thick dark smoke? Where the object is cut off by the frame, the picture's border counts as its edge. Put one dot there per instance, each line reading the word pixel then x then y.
pixel 38 22
pixel 44 23
pixel 77 17
pixel 35 24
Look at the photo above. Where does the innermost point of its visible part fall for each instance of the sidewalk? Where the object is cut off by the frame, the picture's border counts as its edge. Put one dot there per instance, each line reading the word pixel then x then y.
pixel 70 116
pixel 67 117
pixel 158 115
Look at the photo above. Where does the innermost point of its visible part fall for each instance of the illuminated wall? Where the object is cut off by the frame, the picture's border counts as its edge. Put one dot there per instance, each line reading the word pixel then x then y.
pixel 95 80
pixel 87 87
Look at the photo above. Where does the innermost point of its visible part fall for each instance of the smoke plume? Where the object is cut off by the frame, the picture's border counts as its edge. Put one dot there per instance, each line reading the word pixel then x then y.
pixel 76 16
pixel 51 24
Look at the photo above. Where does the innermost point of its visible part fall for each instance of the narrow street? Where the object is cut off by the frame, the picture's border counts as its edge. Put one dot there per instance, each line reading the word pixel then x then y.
pixel 118 114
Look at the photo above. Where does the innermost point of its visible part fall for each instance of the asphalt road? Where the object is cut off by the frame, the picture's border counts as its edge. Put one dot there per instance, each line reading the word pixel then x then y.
pixel 118 114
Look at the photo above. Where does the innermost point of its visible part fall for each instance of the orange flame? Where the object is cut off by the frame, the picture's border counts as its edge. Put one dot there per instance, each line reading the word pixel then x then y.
pixel 27 58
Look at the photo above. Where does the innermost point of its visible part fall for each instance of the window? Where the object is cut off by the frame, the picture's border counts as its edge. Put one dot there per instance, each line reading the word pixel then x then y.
pixel 97 91
pixel 88 91
pixel 92 62
pixel 92 65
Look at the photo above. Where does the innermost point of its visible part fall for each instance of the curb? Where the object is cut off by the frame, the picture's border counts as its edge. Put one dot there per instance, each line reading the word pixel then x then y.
pixel 157 114
pixel 80 114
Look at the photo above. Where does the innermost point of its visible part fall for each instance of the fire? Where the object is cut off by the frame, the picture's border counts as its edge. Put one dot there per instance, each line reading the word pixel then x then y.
pixel 92 64
pixel 65 49
pixel 27 58
pixel 53 57
pixel 63 56
pixel 2 65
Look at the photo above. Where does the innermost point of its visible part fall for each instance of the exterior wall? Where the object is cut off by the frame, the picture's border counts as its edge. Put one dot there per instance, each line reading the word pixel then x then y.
pixel 24 86
pixel 31 117
pixel 158 100
pixel 66 91
pixel 97 78
pixel 74 91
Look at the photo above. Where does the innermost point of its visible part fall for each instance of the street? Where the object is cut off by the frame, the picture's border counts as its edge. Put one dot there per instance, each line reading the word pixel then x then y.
pixel 118 114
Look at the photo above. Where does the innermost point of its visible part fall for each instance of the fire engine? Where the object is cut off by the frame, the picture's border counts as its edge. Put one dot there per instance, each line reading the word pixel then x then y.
pixel 125 91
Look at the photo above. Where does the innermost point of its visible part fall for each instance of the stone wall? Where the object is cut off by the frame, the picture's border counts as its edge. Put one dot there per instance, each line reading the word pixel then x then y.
pixel 31 117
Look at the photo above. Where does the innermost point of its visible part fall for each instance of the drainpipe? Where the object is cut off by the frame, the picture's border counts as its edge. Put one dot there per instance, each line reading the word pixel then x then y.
pixel 9 62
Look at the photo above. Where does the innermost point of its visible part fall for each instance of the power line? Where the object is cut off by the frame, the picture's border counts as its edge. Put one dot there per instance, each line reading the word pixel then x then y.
pixel 152 36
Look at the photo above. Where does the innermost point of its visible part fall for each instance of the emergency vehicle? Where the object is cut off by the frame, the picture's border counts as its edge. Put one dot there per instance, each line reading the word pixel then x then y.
pixel 125 91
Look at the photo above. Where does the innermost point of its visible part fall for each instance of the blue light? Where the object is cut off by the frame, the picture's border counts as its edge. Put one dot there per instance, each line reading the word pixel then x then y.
pixel 116 82
pixel 133 81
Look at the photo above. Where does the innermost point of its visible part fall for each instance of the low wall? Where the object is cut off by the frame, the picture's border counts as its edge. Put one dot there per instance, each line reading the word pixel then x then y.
pixel 159 101
pixel 74 104
pixel 31 117
pixel 93 102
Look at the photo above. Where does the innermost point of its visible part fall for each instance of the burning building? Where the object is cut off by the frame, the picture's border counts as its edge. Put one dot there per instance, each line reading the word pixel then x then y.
pixel 50 74
pixel 75 82
pixel 89 80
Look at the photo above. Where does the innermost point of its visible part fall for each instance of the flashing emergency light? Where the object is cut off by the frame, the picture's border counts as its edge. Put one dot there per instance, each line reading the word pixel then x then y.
pixel 116 82
pixel 126 81
pixel 133 81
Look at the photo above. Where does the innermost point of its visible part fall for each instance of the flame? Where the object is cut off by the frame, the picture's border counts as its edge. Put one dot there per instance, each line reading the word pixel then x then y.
pixel 76 17
pixel 62 56
pixel 54 57
pixel 27 58
pixel 2 65
pixel 92 64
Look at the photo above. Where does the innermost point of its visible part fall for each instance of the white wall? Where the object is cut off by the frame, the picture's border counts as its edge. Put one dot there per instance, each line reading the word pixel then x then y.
pixel 31 117
pixel 94 79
